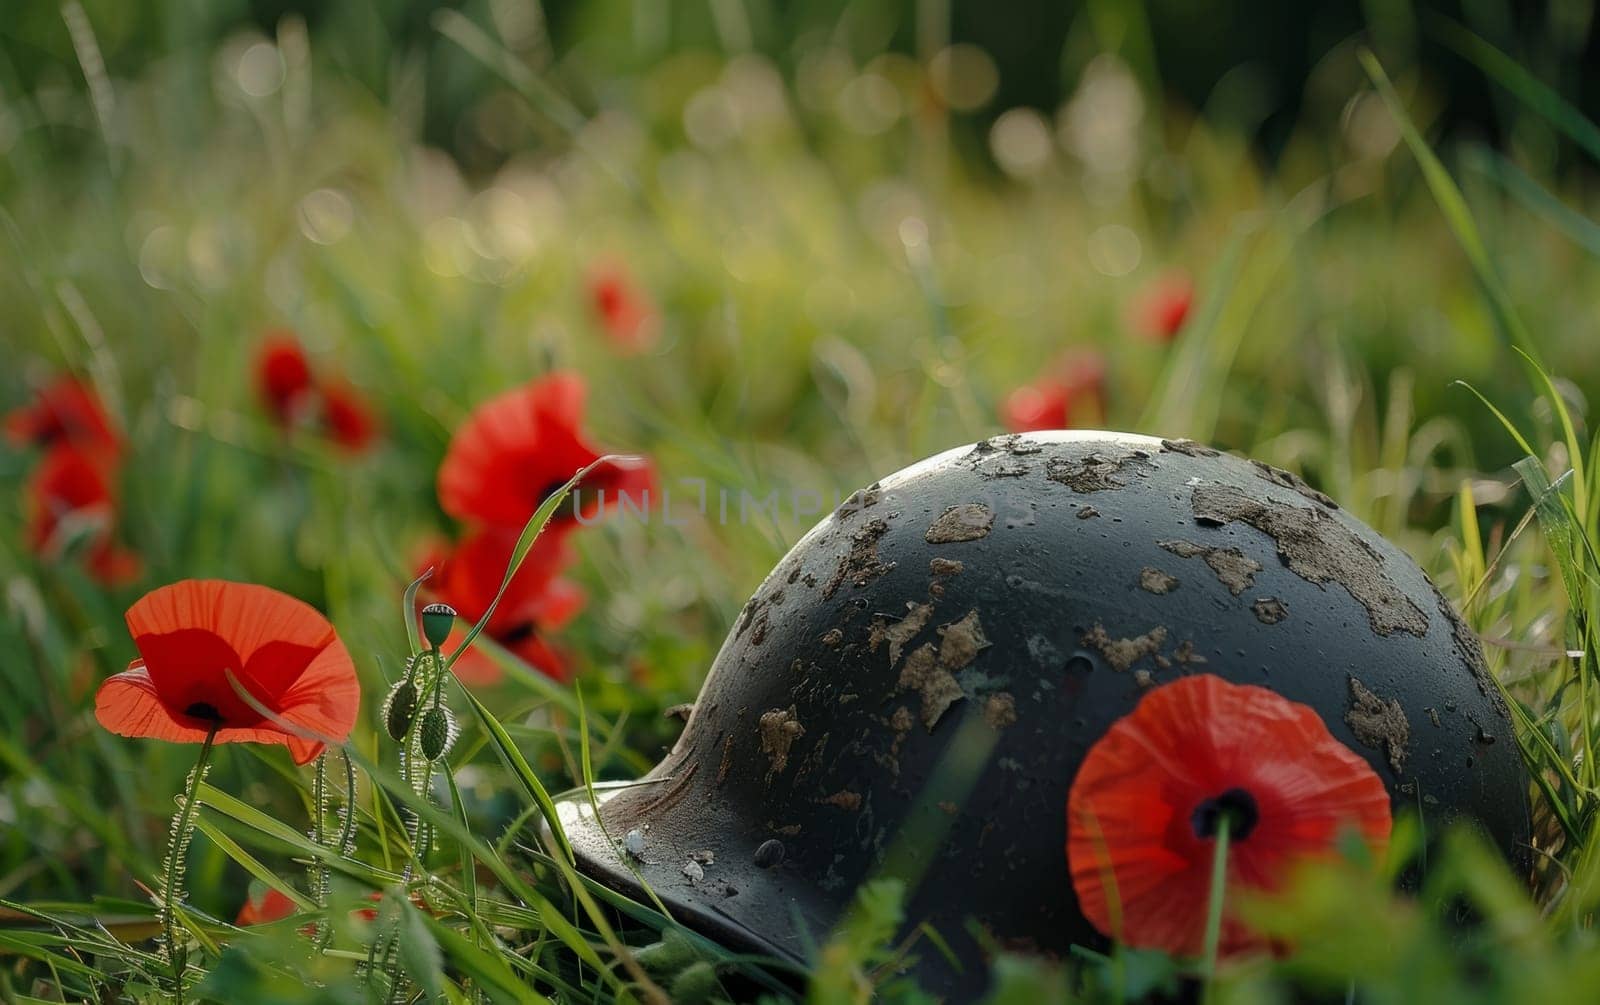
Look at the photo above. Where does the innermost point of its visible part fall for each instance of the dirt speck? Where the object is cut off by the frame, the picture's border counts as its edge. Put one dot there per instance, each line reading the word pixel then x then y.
pixel 1379 723
pixel 857 501
pixel 833 638
pixel 1096 471
pixel 861 564
pixel 1433 716
pixel 945 566
pixel 948 808
pixel 1144 678
pixel 1190 448
pixel 923 673
pixel 1270 610
pixel 900 632
pixel 961 641
pixel 966 522
pixel 1153 580
pixel 769 854
pixel 1000 710
pixel 1290 480
pixel 779 729
pixel 844 799
pixel 1319 549
pixel 1087 512
pixel 1235 570
pixel 1124 653
pixel 1186 655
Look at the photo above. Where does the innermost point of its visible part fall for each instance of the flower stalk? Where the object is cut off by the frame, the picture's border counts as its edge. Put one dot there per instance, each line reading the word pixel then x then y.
pixel 176 866
pixel 1219 892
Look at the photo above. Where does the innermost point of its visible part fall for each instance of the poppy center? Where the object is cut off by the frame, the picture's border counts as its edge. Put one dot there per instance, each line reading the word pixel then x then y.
pixel 1237 805
pixel 517 633
pixel 203 710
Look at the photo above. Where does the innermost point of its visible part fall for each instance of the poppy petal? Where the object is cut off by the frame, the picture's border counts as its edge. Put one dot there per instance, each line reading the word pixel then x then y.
pixel 513 451
pixel 248 616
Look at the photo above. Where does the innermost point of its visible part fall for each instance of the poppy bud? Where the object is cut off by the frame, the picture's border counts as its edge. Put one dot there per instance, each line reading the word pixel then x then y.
pixel 437 620
pixel 696 983
pixel 438 732
pixel 400 708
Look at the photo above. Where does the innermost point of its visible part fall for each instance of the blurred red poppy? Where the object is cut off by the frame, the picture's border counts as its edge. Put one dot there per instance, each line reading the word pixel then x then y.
pixel 1143 811
pixel 284 379
pixel 537 603
pixel 518 448
pixel 1072 394
pixel 270 906
pixel 294 396
pixel 191 634
pixel 66 412
pixel 349 421
pixel 624 312
pixel 70 499
pixel 1160 310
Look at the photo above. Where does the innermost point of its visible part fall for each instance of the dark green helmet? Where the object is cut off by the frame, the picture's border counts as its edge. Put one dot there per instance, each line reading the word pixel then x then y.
pixel 911 691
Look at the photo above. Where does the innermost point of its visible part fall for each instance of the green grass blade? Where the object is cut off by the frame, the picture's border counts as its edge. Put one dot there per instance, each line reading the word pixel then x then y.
pixel 1527 88
pixel 1454 207
pixel 1537 199
pixel 253 865
pixel 409 606
pixel 520 769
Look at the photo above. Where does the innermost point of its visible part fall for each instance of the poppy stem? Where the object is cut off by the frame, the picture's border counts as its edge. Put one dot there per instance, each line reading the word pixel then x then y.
pixel 1219 884
pixel 172 877
pixel 318 868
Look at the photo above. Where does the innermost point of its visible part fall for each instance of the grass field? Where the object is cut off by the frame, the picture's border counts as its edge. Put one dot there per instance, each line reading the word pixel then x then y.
pixel 769 275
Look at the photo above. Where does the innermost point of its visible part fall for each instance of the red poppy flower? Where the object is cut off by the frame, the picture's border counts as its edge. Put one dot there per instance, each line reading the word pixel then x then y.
pixel 284 379
pixel 537 603
pixel 519 447
pixel 70 496
pixel 191 634
pixel 1143 810
pixel 270 906
pixel 348 420
pixel 1161 310
pixel 623 310
pixel 294 396
pixel 1072 394
pixel 66 412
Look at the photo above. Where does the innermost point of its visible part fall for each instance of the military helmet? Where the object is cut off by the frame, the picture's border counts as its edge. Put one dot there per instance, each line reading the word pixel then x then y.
pixel 913 688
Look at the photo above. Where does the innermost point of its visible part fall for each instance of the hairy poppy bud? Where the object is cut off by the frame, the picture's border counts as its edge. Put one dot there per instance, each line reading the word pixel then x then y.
pixel 400 708
pixel 696 983
pixel 437 620
pixel 438 732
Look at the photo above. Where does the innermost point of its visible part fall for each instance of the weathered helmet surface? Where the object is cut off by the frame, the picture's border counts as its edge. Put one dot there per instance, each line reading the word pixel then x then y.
pixel 912 689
